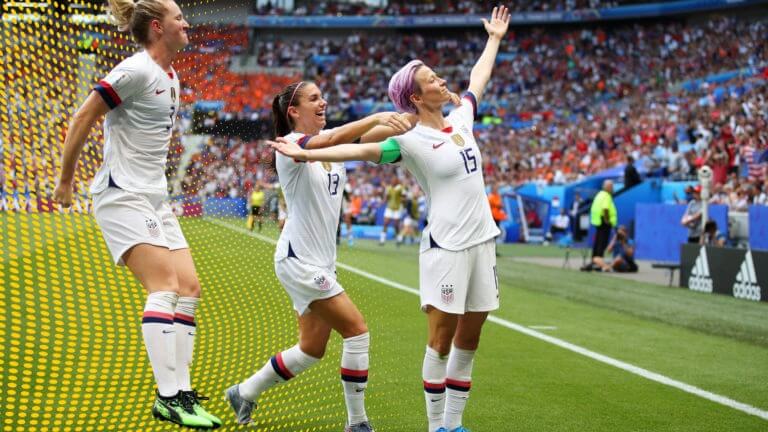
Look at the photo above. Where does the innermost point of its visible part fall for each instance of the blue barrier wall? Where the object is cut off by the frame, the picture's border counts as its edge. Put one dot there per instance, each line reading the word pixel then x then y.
pixel 758 227
pixel 658 233
pixel 225 207
pixel 648 191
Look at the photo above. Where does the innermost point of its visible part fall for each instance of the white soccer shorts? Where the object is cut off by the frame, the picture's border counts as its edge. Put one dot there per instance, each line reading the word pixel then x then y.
pixel 127 219
pixel 306 283
pixel 459 281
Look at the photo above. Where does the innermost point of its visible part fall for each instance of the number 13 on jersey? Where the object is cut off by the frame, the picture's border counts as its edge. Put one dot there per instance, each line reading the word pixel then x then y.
pixel 333 183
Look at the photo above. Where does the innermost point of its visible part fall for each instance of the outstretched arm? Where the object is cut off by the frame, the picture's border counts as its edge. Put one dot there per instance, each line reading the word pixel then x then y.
pixel 344 152
pixel 481 73
pixel 398 125
pixel 375 127
pixel 92 109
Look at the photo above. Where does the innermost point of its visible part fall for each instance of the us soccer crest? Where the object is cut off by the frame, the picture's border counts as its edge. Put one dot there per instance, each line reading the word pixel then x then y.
pixel 458 140
pixel 152 227
pixel 446 292
pixel 327 166
pixel 322 282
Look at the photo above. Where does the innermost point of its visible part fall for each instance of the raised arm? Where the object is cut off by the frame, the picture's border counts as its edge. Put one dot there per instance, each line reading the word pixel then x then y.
pixel 375 127
pixel 481 73
pixel 92 109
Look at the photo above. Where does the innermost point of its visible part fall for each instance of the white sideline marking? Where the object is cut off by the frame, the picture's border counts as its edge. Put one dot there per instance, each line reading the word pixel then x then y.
pixel 653 376
pixel 542 327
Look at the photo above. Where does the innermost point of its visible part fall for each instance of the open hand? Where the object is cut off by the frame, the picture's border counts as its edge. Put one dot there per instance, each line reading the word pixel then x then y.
pixel 288 148
pixel 398 123
pixel 499 23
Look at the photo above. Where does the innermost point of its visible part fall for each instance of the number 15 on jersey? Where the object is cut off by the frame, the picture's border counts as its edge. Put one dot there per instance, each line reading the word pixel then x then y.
pixel 470 161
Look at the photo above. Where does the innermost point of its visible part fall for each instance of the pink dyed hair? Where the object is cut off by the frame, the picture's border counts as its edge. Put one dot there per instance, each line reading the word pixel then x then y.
pixel 402 85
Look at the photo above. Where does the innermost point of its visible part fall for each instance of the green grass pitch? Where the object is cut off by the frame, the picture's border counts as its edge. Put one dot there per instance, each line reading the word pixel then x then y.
pixel 72 357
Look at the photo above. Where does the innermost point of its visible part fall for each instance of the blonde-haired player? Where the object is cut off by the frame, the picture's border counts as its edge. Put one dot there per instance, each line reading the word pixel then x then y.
pixel 140 98
pixel 457 264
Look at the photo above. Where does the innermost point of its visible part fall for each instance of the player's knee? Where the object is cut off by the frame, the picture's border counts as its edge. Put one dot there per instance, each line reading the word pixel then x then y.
pixel 356 329
pixel 440 343
pixel 190 289
pixel 466 342
pixel 313 349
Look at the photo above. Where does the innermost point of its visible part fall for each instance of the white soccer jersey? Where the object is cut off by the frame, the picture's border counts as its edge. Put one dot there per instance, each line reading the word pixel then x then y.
pixel 313 193
pixel 144 102
pixel 448 166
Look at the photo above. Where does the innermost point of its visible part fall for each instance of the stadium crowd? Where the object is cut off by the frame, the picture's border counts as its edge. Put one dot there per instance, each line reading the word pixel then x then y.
pixel 307 8
pixel 582 102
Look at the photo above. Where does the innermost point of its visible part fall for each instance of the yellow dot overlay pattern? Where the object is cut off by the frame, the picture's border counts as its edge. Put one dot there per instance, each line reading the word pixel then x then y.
pixel 72 356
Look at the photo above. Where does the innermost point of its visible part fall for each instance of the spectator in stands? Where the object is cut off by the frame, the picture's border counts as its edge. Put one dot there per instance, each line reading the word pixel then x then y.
pixel 692 217
pixel 631 176
pixel 603 217
pixel 623 249
pixel 712 236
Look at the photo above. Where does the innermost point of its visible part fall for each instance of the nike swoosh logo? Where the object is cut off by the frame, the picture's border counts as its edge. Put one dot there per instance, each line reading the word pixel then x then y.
pixel 437 146
pixel 169 331
pixel 436 400
pixel 191 334
pixel 158 91
pixel 359 390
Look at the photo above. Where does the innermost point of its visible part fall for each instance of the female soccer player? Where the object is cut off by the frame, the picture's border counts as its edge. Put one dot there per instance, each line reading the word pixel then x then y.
pixel 457 265
pixel 140 98
pixel 306 254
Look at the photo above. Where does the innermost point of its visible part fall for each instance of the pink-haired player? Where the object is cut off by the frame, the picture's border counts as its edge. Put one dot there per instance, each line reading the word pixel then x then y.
pixel 457 265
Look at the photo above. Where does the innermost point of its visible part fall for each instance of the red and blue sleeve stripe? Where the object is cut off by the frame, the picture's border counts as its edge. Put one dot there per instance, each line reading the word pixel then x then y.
pixel 472 99
pixel 302 142
pixel 108 94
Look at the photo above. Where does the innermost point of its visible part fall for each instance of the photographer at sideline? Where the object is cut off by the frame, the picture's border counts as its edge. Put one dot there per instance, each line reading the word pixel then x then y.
pixel 623 249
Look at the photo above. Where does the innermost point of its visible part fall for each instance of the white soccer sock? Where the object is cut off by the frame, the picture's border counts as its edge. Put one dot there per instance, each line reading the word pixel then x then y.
pixel 354 376
pixel 383 236
pixel 433 373
pixel 458 382
pixel 184 323
pixel 160 339
pixel 279 369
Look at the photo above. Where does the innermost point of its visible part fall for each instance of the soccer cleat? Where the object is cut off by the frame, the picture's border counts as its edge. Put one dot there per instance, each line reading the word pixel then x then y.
pixel 460 429
pixel 242 408
pixel 194 400
pixel 178 410
pixel 359 427
pixel 441 429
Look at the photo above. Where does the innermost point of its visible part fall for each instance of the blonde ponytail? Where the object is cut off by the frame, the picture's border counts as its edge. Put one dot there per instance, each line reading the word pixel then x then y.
pixel 122 13
pixel 135 16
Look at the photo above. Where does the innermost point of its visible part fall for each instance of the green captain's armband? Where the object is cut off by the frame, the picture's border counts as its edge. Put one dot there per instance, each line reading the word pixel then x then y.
pixel 390 151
